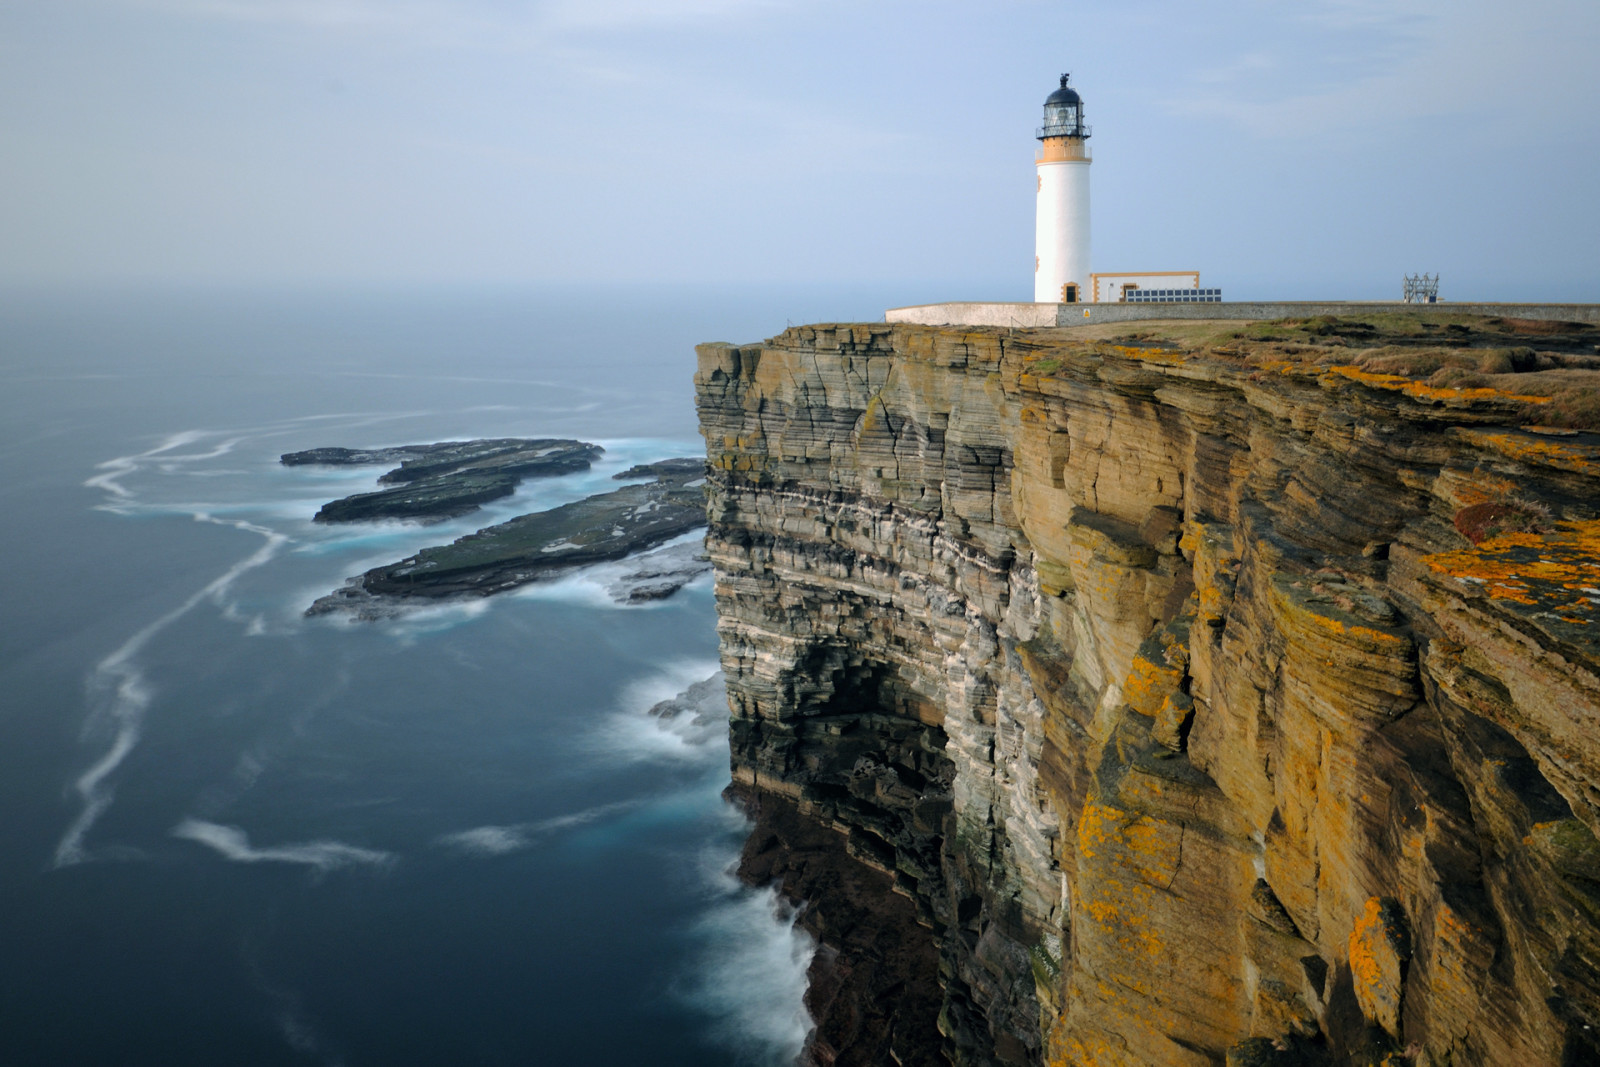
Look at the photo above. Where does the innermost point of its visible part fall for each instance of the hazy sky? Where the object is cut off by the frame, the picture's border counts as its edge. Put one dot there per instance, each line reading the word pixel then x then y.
pixel 1286 148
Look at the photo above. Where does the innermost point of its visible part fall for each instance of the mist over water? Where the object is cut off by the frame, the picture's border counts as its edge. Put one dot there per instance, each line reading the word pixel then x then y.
pixel 238 835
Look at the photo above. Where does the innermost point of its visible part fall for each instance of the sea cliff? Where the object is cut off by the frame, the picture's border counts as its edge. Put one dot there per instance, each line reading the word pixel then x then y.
pixel 1162 701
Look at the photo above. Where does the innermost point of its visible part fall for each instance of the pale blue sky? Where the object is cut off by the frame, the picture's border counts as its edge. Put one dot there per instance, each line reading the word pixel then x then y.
pixel 1294 149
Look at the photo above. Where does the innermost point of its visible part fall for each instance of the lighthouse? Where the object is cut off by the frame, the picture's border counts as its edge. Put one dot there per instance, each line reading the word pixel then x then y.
pixel 1061 228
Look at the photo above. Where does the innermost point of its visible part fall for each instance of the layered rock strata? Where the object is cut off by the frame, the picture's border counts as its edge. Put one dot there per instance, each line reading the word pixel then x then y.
pixel 1164 696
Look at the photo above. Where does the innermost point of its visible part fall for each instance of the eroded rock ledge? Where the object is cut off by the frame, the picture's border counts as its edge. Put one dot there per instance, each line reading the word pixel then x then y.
pixel 1166 694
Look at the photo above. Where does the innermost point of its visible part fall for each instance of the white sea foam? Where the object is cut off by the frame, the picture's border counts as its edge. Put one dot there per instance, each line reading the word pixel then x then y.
pixel 670 681
pixel 415 621
pixel 500 840
pixel 487 840
pixel 631 734
pixel 751 971
pixel 119 692
pixel 234 844
pixel 120 696
pixel 118 468
pixel 596 585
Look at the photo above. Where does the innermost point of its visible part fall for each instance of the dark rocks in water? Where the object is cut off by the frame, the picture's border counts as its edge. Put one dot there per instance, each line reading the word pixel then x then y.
pixel 687 466
pixel 607 526
pixel 705 702
pixel 446 479
pixel 436 500
pixel 528 457
pixel 657 575
pixel 361 457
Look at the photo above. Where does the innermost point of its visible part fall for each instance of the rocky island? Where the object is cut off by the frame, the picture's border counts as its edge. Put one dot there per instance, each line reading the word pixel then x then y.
pixel 667 501
pixel 446 479
pixel 1216 693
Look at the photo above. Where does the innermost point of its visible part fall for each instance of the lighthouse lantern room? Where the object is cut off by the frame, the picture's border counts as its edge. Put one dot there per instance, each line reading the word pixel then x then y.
pixel 1061 262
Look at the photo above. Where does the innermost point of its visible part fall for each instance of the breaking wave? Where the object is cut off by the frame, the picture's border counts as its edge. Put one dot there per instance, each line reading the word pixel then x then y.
pixel 751 973
pixel 680 714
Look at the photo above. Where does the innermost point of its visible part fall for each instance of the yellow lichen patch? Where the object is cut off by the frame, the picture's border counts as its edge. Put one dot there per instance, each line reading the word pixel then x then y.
pixel 1137 845
pixel 1378 948
pixel 1091 1049
pixel 1261 367
pixel 1422 391
pixel 1538 451
pixel 1150 355
pixel 1346 629
pixel 1123 913
pixel 1323 614
pixel 1487 491
pixel 1135 859
pixel 1149 684
pixel 1096 826
pixel 1556 572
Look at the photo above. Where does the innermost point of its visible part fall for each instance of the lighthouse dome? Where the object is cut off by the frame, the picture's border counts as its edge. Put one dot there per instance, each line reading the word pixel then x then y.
pixel 1064 95
pixel 1063 113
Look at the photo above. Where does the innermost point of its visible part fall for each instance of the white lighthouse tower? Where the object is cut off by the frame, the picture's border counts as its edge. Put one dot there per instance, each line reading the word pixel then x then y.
pixel 1061 232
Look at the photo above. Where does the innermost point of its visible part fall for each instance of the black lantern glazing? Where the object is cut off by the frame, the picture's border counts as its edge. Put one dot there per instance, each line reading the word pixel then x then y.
pixel 1063 113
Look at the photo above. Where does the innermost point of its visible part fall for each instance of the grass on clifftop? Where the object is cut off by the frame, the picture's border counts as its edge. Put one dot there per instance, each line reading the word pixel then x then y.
pixel 1552 368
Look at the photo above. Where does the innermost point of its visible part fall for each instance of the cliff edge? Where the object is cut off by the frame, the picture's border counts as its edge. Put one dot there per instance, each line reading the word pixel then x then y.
pixel 1164 700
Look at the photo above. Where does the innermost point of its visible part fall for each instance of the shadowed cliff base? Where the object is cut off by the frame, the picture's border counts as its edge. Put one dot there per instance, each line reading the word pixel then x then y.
pixel 1211 699
pixel 874 988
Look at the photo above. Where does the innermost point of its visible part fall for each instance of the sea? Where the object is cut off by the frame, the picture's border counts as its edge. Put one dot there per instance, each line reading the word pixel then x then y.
pixel 231 834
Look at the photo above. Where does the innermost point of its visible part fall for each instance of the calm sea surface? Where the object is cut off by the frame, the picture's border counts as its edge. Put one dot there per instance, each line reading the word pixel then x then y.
pixel 231 835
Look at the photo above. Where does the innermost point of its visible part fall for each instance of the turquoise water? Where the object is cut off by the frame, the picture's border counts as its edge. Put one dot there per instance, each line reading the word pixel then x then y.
pixel 234 835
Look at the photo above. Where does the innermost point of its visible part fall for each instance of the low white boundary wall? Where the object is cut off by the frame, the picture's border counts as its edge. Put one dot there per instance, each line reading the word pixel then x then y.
pixel 1035 315
pixel 1018 315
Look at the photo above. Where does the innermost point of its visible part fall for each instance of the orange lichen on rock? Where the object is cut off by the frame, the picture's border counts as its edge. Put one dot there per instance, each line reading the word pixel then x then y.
pixel 1146 685
pixel 1147 839
pixel 1135 856
pixel 1157 355
pixel 1539 451
pixel 1537 570
pixel 1365 634
pixel 1486 490
pixel 1424 392
pixel 1150 681
pixel 1096 828
pixel 1380 946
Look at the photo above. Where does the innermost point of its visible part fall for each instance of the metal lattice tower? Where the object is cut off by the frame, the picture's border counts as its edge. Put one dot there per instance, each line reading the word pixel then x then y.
pixel 1421 289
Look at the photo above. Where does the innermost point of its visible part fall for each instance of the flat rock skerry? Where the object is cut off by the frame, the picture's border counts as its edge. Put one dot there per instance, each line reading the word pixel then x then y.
pixel 669 503
pixel 446 479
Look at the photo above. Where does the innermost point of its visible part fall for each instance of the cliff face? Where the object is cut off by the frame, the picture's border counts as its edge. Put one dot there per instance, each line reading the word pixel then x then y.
pixel 1124 705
